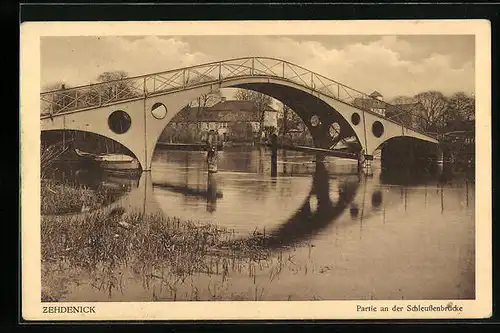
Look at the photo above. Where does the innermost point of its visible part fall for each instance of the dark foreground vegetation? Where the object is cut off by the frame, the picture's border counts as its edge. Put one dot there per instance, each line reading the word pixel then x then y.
pixel 104 246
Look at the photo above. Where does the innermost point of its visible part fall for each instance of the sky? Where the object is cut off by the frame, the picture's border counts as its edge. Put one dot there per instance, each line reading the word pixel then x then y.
pixel 392 65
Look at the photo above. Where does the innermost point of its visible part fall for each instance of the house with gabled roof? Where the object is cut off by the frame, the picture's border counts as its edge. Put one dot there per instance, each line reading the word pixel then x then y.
pixel 222 116
pixel 375 94
pixel 375 103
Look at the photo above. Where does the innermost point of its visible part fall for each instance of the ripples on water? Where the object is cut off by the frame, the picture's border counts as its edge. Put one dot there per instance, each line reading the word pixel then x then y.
pixel 331 233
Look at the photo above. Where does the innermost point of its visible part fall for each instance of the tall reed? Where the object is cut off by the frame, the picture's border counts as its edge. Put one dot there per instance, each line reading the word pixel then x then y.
pixel 62 198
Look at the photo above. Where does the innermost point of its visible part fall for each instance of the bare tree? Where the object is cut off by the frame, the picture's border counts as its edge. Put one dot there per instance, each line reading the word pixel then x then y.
pixel 62 98
pixel 55 86
pixel 289 120
pixel 112 76
pixel 261 101
pixel 434 110
pixel 121 89
pixel 461 107
pixel 286 111
pixel 49 153
pixel 203 102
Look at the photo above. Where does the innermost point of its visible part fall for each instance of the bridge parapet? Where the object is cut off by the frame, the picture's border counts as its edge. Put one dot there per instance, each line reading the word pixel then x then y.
pixel 101 94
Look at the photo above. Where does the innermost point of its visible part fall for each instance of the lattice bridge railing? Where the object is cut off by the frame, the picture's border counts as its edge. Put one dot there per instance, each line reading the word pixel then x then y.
pixel 100 94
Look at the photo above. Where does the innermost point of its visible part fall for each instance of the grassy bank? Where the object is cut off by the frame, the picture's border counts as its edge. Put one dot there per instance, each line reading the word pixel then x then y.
pixel 105 249
pixel 61 198
pixel 101 245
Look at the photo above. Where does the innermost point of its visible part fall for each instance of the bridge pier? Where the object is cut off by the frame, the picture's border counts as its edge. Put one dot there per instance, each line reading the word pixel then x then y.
pixel 212 153
pixel 365 163
pixel 274 155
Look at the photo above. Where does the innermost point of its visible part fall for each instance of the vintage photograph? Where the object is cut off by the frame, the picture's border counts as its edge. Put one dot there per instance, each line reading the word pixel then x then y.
pixel 276 167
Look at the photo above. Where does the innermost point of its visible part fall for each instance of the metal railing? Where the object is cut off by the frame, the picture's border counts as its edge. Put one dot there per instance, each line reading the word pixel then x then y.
pixel 101 94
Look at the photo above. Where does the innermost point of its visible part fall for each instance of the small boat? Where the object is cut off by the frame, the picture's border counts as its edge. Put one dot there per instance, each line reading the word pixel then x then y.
pixel 111 162
pixel 117 162
pixel 85 154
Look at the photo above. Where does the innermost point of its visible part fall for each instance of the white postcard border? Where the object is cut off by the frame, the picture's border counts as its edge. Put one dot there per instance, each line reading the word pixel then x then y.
pixel 32 307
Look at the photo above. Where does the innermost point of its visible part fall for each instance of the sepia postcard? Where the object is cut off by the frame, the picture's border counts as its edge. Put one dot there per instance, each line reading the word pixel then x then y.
pixel 256 170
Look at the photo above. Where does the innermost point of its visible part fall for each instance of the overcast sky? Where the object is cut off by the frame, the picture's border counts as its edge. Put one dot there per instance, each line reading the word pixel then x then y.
pixel 393 65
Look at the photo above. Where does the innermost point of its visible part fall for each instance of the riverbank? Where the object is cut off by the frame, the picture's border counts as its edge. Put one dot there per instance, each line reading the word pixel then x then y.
pixel 103 246
pixel 62 198
pixel 186 146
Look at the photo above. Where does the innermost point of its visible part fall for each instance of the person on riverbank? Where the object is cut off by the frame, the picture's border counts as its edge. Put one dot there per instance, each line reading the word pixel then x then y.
pixel 212 152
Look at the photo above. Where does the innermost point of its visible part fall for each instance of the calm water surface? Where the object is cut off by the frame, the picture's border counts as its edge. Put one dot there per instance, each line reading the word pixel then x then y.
pixel 334 234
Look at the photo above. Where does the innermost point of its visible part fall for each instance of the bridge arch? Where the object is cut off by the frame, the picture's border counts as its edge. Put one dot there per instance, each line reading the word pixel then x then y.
pixel 306 106
pixel 301 100
pixel 54 135
pixel 407 151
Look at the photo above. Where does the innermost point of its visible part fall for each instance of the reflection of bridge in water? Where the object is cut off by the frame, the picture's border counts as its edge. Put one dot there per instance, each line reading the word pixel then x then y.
pixel 317 211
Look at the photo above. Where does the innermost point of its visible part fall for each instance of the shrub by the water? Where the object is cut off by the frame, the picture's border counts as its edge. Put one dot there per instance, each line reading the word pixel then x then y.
pixel 61 198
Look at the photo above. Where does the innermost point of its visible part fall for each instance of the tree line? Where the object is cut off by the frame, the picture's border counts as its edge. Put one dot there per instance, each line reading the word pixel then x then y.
pixel 436 110
pixel 94 95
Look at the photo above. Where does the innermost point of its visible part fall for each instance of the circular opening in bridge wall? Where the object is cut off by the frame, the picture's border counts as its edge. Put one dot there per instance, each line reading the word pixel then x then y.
pixel 377 129
pixel 334 130
pixel 315 120
pixel 119 122
pixel 159 111
pixel 355 118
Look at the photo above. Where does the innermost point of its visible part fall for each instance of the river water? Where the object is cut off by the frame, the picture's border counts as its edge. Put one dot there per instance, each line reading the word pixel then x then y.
pixel 333 234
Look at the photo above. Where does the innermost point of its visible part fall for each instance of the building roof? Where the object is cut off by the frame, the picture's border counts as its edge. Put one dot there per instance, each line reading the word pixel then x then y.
pixel 376 94
pixel 234 105
pixel 369 103
pixel 224 111
pixel 237 105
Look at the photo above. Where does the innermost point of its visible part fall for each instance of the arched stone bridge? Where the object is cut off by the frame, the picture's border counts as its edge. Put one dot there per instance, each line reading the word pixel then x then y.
pixel 134 111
